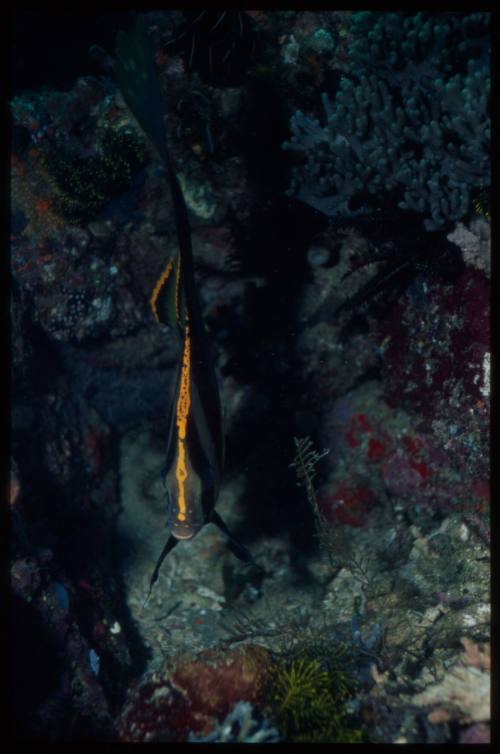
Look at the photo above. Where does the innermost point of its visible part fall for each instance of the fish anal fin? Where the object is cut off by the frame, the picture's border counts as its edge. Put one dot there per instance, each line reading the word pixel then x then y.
pixel 236 547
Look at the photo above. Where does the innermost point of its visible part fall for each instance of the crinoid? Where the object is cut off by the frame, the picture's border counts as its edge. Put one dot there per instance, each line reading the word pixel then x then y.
pixel 397 268
pixel 304 464
pixel 217 45
pixel 308 701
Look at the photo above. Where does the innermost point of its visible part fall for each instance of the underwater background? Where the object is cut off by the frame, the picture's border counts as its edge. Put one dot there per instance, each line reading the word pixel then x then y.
pixel 336 170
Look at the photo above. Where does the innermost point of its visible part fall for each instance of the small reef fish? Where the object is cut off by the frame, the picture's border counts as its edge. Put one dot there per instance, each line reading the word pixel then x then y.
pixel 195 447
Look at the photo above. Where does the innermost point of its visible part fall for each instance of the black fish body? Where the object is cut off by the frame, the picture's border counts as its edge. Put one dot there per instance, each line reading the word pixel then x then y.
pixel 195 447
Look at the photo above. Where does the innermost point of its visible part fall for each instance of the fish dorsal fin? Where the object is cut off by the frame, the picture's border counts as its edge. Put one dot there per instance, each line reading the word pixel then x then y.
pixel 137 78
pixel 167 298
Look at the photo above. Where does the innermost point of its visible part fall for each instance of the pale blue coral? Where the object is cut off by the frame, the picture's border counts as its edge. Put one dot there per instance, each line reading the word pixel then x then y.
pixel 414 130
pixel 240 726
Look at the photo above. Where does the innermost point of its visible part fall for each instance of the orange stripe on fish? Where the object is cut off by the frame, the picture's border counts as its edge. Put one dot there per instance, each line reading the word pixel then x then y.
pixel 182 413
pixel 159 285
pixel 195 448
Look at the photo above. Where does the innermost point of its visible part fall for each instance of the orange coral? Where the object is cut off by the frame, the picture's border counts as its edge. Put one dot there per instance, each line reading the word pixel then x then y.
pixel 194 693
pixel 215 681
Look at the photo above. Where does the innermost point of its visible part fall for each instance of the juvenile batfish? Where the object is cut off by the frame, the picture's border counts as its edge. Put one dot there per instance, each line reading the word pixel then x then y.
pixel 195 447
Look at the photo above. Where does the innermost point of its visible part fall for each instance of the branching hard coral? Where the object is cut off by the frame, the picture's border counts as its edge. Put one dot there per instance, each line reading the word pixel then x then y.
pixel 409 124
pixel 387 41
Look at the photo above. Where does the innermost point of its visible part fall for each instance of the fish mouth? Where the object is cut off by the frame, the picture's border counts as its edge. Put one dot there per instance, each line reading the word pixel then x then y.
pixel 184 531
pixel 183 534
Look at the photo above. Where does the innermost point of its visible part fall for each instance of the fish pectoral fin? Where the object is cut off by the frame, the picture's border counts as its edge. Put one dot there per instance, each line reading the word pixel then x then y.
pixel 169 545
pixel 166 302
pixel 236 547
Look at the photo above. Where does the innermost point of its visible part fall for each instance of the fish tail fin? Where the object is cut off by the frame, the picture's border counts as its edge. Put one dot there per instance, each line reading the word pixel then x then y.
pixel 137 78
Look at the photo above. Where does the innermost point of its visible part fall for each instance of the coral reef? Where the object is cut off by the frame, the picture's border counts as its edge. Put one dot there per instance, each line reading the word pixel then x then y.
pixel 240 726
pixel 73 191
pixel 53 657
pixel 83 185
pixel 404 123
pixel 464 692
pixel 245 695
pixel 402 511
pixel 369 618
pixel 474 241
pixel 308 701
pixel 194 693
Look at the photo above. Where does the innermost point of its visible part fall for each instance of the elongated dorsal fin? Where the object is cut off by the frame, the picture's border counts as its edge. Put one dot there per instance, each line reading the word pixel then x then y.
pixel 136 75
